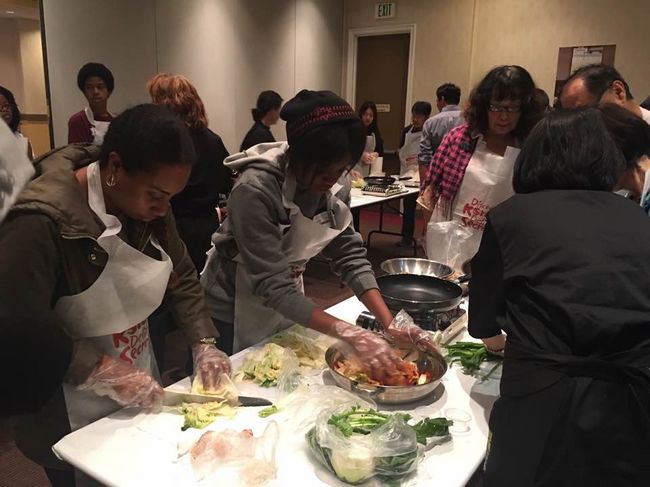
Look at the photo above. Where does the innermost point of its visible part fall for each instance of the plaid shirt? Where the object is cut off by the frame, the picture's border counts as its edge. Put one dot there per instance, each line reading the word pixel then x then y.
pixel 448 165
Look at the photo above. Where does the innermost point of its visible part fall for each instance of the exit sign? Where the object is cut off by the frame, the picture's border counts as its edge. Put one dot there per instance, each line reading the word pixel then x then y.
pixel 385 10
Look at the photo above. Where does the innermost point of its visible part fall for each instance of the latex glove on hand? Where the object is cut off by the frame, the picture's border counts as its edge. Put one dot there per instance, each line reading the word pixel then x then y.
pixel 209 364
pixel 403 331
pixel 369 157
pixel 125 384
pixel 381 359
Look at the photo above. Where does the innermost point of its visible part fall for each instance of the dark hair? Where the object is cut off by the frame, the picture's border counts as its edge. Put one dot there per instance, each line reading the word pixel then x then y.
pixel 421 108
pixel 327 144
pixel 95 69
pixel 373 128
pixel 541 98
pixel 266 101
pixel 568 149
pixel 147 136
pixel 631 133
pixel 15 112
pixel 450 92
pixel 598 78
pixel 504 83
pixel 646 103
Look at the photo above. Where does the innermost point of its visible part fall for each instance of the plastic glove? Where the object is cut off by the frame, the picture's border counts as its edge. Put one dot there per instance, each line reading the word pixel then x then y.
pixel 382 360
pixel 403 330
pixel 125 384
pixel 209 364
pixel 369 157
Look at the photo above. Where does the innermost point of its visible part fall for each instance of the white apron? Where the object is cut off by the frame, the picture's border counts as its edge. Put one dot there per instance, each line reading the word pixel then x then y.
pixel 305 239
pixel 362 168
pixel 15 168
pixel 97 128
pixel 112 313
pixel 645 194
pixel 487 182
pixel 408 155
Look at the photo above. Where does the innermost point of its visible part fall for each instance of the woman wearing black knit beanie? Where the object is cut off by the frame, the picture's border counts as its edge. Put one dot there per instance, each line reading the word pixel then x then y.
pixel 288 205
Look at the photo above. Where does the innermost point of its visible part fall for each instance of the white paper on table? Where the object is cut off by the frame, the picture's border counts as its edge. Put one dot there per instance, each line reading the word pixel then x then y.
pixel 15 169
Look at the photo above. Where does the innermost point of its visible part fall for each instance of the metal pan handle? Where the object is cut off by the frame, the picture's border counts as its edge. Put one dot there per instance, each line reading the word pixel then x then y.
pixel 354 387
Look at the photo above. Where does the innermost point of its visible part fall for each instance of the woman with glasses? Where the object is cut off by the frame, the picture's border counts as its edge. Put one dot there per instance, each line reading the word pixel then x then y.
pixel 289 204
pixel 11 116
pixel 471 172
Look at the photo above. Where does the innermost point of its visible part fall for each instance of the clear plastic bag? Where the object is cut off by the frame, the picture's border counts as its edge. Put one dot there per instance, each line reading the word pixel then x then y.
pixel 302 407
pixel 268 365
pixel 388 449
pixel 445 242
pixel 234 458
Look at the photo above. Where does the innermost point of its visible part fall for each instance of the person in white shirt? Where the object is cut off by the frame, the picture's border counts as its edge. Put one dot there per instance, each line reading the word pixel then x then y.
pixel 598 83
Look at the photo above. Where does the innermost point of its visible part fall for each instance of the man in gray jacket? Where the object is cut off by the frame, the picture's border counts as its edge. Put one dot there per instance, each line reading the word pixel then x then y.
pixel 437 127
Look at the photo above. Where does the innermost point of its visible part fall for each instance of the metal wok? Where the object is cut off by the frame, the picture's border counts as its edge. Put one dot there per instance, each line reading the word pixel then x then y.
pixel 421 267
pixel 434 364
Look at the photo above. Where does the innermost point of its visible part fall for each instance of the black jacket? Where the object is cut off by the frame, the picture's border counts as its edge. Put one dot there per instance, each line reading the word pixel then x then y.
pixel 566 275
pixel 209 177
pixel 257 134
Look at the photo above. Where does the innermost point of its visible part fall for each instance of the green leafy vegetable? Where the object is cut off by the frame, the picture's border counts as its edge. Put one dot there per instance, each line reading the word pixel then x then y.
pixel 470 355
pixel 355 463
pixel 266 412
pixel 265 366
pixel 200 415
pixel 429 427
pixel 358 420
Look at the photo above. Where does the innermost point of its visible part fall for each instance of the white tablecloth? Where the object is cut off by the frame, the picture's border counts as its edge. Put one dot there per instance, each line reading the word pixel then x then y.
pixel 129 448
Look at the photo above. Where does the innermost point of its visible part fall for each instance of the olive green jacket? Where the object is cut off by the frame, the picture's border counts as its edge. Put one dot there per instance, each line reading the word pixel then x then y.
pixel 48 249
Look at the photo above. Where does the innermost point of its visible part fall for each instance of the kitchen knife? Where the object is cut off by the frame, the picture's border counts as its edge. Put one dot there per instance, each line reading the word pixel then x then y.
pixel 173 398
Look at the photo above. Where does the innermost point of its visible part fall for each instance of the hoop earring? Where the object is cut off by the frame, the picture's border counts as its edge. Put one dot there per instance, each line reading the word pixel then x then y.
pixel 111 181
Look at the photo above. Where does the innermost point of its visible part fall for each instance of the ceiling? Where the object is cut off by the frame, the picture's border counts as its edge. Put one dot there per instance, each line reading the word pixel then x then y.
pixel 19 9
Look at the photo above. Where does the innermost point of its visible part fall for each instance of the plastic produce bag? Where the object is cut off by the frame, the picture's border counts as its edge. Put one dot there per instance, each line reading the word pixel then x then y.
pixel 303 406
pixel 357 444
pixel 266 366
pixel 233 458
pixel 446 243
pixel 309 347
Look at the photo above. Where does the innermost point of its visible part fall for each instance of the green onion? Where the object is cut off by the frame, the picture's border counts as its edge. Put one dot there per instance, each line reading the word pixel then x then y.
pixel 470 355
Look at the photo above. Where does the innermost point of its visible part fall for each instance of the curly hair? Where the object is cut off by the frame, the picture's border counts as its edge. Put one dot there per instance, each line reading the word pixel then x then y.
pixel 504 83
pixel 89 70
pixel 179 95
pixel 15 112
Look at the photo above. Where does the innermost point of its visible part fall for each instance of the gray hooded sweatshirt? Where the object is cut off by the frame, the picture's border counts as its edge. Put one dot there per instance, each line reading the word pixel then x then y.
pixel 257 220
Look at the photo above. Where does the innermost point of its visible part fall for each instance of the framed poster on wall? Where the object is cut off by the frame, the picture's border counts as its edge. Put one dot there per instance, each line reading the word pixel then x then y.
pixel 571 58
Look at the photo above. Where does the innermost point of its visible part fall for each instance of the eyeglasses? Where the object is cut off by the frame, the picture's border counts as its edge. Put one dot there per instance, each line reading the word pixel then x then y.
pixel 498 109
pixel 5 108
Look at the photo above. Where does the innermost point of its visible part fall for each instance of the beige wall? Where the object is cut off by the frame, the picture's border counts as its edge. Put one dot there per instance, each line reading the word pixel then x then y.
pixel 111 32
pixel 11 76
pixel 531 32
pixel 443 39
pixel 460 40
pixel 21 63
pixel 31 56
pixel 230 49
